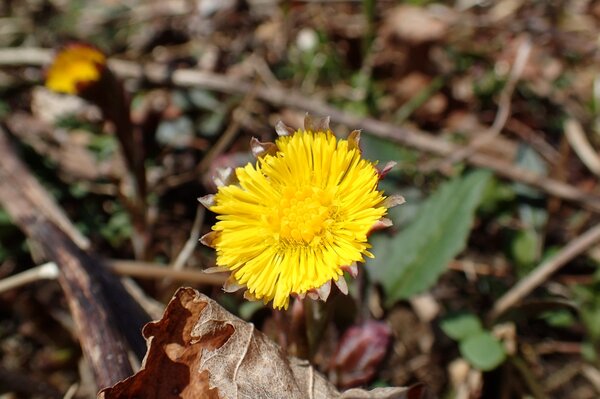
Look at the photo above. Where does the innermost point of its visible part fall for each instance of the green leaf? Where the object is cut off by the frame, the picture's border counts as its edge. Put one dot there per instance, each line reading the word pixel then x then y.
pixel 483 351
pixel 524 249
pixel 118 228
pixel 560 318
pixel 412 261
pixel 379 149
pixel 590 315
pixel 495 197
pixel 461 325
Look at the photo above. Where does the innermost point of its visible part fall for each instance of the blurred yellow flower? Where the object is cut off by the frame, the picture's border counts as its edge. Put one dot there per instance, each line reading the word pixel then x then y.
pixel 74 68
pixel 297 219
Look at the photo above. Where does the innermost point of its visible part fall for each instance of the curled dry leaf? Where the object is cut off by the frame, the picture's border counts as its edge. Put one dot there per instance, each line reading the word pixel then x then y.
pixel 199 350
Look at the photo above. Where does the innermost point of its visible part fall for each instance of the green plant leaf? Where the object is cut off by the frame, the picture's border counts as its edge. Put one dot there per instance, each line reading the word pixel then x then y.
pixel 483 351
pixel 411 261
pixel 382 150
pixel 461 325
pixel 524 249
pixel 559 318
pixel 590 315
pixel 118 228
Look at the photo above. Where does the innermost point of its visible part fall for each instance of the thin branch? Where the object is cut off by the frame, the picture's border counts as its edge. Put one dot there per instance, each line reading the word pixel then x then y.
pixel 25 56
pixel 226 138
pixel 533 138
pixel 545 270
pixel 153 307
pixel 592 374
pixel 192 241
pixel 581 145
pixel 153 271
pixel 47 271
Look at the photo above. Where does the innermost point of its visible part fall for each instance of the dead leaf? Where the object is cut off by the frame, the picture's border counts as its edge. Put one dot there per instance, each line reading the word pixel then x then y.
pixel 199 350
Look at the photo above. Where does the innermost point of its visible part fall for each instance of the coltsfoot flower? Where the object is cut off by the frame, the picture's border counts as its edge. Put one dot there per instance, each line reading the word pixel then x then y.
pixel 75 67
pixel 300 217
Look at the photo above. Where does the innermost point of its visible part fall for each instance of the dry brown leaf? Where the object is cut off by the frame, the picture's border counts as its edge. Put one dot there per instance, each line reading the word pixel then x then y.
pixel 199 350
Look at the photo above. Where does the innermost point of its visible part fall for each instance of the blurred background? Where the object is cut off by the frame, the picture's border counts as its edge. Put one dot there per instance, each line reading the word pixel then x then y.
pixel 490 109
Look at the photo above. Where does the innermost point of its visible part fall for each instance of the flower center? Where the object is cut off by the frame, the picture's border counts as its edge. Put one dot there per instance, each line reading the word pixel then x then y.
pixel 302 215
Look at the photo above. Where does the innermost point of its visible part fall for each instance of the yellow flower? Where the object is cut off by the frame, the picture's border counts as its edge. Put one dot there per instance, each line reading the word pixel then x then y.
pixel 74 68
pixel 300 217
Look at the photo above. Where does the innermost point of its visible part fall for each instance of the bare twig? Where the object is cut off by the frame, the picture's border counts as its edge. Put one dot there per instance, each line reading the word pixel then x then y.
pixel 160 74
pixel 70 394
pixel 43 272
pixel 474 268
pixel 153 307
pixel 581 145
pixel 25 56
pixel 552 346
pixel 153 271
pixel 545 270
pixel 592 374
pixel 226 138
pixel 533 138
pixel 192 241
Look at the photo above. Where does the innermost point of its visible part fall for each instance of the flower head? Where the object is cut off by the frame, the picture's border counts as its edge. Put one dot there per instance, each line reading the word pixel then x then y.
pixel 300 217
pixel 74 68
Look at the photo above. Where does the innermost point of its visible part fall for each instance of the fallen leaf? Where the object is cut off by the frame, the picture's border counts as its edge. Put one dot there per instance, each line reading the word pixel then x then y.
pixel 199 350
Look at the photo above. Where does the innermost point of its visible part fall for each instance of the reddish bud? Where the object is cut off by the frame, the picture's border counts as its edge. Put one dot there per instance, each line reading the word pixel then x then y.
pixel 360 351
